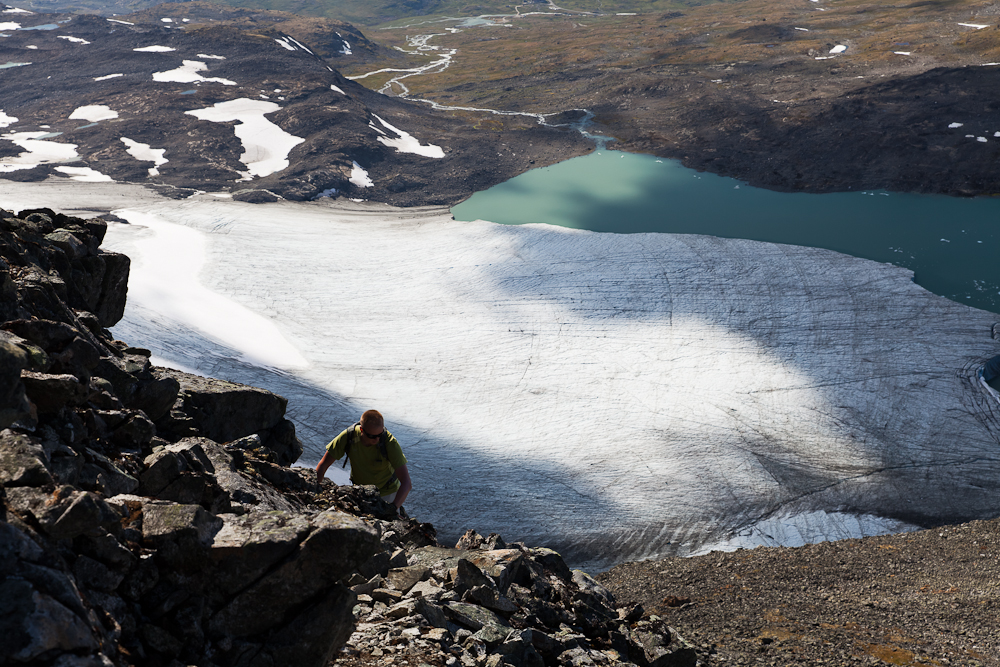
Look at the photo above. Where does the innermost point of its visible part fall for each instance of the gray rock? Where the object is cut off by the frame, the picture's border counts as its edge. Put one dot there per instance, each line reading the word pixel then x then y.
pixel 162 468
pixel 493 629
pixel 434 614
pixel 68 243
pixel 110 479
pixel 377 565
pixel 224 411
pixel 426 589
pixel 137 431
pixel 310 638
pixel 386 596
pixel 90 573
pixel 22 461
pixel 13 405
pixel 155 396
pixel 50 393
pixel 502 565
pixel 467 576
pixel 489 597
pixel 404 578
pixel 334 547
pixel 517 650
pixel 181 534
pixel 110 305
pixel 248 546
pixel 33 624
pixel 105 548
pixel 77 358
pixel 243 490
pixel 160 640
pixel 66 513
pixel 588 584
pixel 49 335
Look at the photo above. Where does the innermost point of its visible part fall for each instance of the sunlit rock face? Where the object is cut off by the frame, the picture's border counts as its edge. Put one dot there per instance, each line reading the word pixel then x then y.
pixel 612 396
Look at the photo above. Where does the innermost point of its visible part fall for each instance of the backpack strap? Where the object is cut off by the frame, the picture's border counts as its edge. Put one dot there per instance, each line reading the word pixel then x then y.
pixel 351 433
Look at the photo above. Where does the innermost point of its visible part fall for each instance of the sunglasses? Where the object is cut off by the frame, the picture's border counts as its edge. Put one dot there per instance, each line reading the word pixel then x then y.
pixel 369 435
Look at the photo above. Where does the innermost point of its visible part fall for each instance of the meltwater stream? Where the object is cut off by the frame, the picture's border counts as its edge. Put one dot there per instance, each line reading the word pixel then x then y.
pixel 949 243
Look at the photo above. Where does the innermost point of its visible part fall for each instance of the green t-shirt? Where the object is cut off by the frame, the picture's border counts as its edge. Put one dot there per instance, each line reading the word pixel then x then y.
pixel 367 464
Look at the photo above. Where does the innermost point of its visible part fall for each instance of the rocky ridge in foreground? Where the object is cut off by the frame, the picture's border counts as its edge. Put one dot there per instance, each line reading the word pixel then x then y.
pixel 150 516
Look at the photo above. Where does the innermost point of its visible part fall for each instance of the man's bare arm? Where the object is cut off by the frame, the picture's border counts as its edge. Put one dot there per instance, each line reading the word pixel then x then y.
pixel 404 485
pixel 323 465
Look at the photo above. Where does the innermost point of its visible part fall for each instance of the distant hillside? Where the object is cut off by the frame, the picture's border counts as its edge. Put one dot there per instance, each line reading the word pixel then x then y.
pixel 376 12
pixel 814 96
pixel 240 105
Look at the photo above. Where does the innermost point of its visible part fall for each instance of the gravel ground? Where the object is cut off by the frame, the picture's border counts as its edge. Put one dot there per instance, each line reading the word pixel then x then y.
pixel 926 598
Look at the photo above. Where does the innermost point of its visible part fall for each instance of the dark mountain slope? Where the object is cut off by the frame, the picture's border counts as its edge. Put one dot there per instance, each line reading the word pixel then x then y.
pixel 151 95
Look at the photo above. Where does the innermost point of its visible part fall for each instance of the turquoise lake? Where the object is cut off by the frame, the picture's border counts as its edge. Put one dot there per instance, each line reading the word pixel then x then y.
pixel 949 243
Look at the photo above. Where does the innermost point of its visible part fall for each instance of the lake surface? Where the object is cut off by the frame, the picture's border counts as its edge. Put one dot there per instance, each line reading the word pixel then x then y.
pixel 949 243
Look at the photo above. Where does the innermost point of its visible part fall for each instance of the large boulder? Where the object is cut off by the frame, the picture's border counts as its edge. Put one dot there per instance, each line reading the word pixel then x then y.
pixel 334 546
pixel 225 411
pixel 42 612
pixel 12 401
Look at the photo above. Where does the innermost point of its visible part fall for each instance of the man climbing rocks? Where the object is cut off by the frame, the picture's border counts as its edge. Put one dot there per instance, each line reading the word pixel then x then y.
pixel 375 456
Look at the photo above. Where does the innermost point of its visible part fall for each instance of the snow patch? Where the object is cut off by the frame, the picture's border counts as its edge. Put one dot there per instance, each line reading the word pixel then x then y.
pixel 5 120
pixel 37 151
pixel 70 38
pixel 123 23
pixel 977 26
pixel 93 113
pixel 16 10
pixel 902 53
pixel 144 153
pixel 10 25
pixel 108 76
pixel 188 73
pixel 265 145
pixel 85 174
pixel 406 143
pixel 284 42
pixel 360 178
pixel 332 87
pixel 205 55
pixel 840 48
pixel 301 45
pixel 952 126
pixel 156 48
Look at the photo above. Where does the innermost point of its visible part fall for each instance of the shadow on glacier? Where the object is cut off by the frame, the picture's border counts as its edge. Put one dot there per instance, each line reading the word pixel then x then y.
pixel 454 486
pixel 540 501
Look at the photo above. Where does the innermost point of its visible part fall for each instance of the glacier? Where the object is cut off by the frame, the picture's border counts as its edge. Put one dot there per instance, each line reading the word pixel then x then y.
pixel 612 396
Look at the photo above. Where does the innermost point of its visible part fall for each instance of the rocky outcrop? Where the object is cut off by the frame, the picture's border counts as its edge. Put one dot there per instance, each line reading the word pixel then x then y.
pixel 490 603
pixel 147 516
